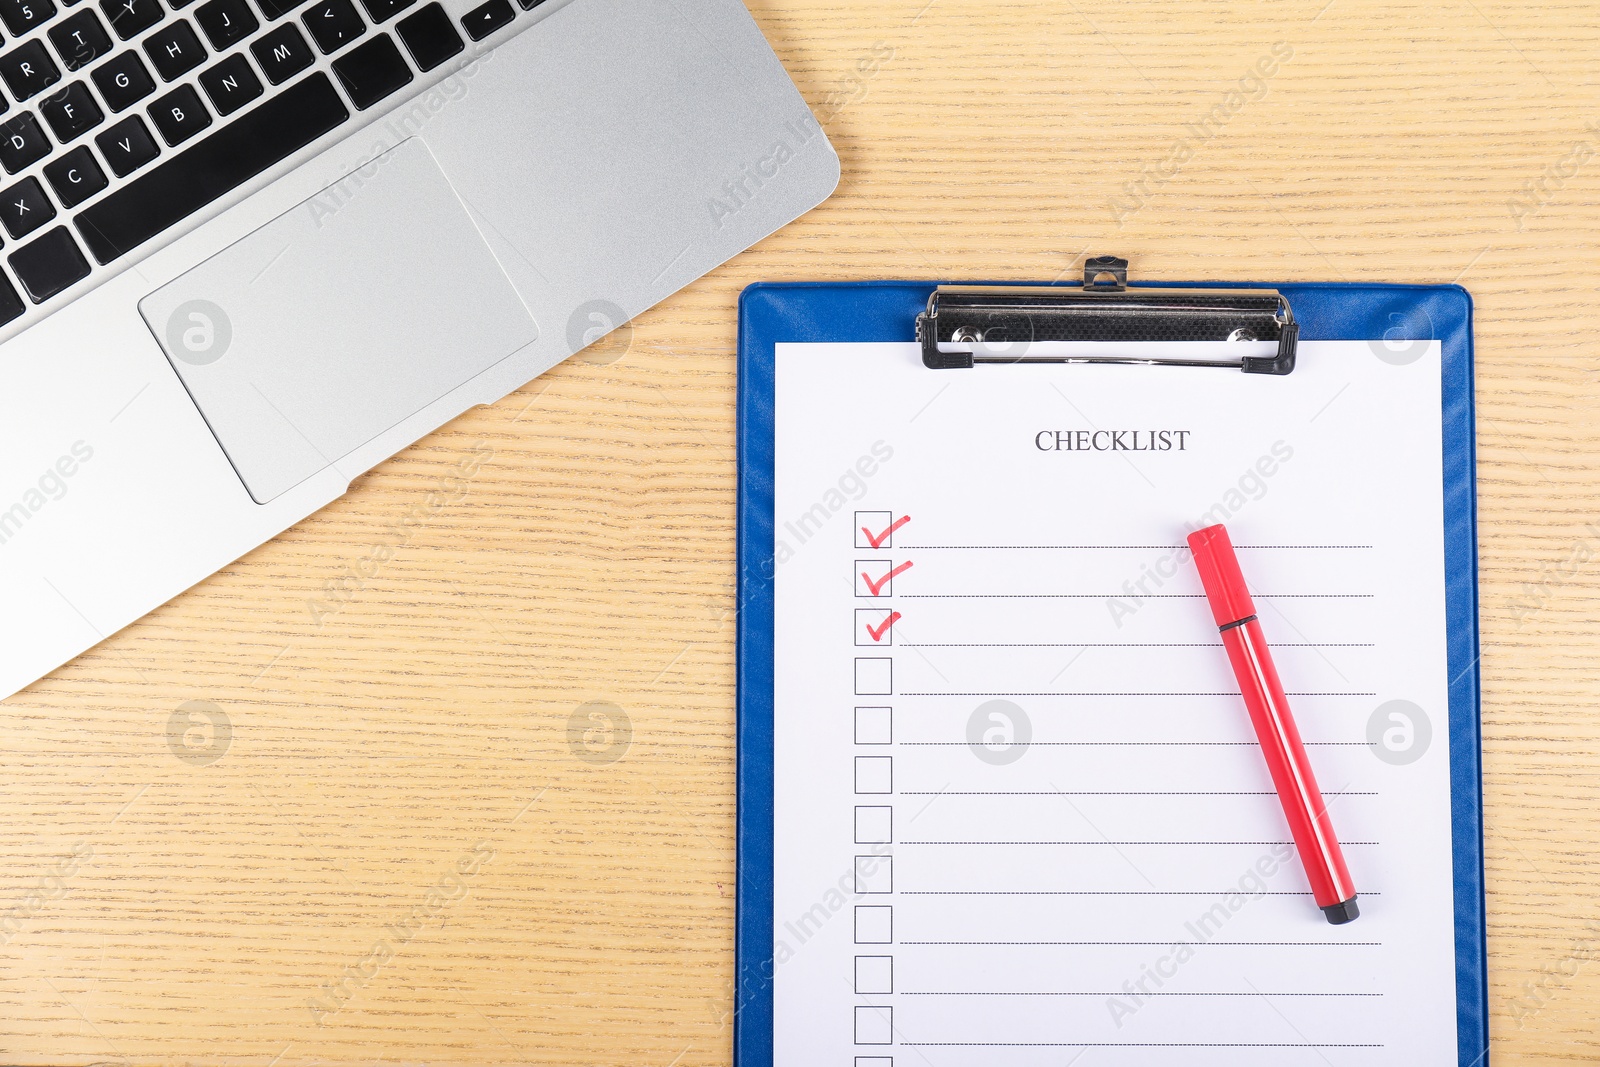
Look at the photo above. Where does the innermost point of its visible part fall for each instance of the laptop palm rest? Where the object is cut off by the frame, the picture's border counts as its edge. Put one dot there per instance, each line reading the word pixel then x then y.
pixel 338 319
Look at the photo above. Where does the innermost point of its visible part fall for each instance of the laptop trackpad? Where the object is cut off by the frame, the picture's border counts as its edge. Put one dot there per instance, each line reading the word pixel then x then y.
pixel 338 319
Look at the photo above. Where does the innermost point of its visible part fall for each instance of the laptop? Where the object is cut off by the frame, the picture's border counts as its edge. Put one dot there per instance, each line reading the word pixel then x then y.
pixel 253 247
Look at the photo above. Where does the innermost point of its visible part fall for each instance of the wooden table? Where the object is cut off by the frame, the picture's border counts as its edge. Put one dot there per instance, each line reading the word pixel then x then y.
pixel 481 709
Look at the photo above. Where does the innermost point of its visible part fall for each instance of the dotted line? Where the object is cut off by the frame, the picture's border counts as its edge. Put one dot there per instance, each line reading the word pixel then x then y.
pixel 1167 944
pixel 1106 893
pixel 1130 644
pixel 1130 1044
pixel 1118 993
pixel 1273 843
pixel 1125 596
pixel 1138 744
pixel 1233 694
pixel 1107 793
pixel 1098 547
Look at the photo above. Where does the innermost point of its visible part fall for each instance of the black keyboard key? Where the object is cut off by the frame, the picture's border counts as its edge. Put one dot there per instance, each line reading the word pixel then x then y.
pixel 11 304
pixel 123 81
pixel 22 142
pixel 379 10
pixel 80 40
pixel 481 21
pixel 127 146
pixel 20 16
pixel 28 69
pixel 529 5
pixel 283 53
pixel 231 84
pixel 49 264
pixel 333 24
pixel 429 36
pixel 237 152
pixel 179 5
pixel 174 50
pixel 71 112
pixel 179 115
pixel 24 207
pixel 129 18
pixel 371 72
pixel 75 176
pixel 276 9
pixel 226 22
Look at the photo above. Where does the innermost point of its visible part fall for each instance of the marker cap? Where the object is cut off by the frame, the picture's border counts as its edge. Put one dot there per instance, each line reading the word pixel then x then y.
pixel 1219 574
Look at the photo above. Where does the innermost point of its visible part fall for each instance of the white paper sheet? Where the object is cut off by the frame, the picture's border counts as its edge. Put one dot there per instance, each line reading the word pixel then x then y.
pixel 1026 822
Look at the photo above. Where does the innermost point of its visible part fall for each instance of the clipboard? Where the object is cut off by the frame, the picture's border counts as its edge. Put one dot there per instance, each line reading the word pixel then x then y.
pixel 962 328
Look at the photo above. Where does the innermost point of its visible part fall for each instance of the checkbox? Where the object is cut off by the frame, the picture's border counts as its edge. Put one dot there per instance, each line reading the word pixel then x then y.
pixel 872 524
pixel 874 825
pixel 875 626
pixel 874 577
pixel 874 974
pixel 874 874
pixel 874 1061
pixel 874 677
pixel 874 726
pixel 874 924
pixel 875 1025
pixel 874 774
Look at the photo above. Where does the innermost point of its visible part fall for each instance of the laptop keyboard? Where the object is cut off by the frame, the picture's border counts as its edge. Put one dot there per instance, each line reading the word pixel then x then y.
pixel 126 117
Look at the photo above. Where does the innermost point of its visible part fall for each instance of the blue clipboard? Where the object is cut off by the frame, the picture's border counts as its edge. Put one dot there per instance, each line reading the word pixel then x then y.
pixel 770 313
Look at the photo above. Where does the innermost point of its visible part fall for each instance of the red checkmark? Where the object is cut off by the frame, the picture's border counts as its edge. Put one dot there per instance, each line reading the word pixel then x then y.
pixel 877 634
pixel 877 541
pixel 881 582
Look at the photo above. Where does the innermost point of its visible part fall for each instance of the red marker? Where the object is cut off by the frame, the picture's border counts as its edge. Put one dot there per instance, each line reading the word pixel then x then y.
pixel 1331 886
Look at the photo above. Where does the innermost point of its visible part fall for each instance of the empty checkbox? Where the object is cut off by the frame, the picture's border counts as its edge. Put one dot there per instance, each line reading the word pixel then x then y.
pixel 874 924
pixel 875 1025
pixel 874 676
pixel 874 726
pixel 874 974
pixel 874 774
pixel 874 874
pixel 874 1061
pixel 874 825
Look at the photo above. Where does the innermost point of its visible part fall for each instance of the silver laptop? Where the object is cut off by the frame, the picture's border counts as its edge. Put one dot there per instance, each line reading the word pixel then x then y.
pixel 253 247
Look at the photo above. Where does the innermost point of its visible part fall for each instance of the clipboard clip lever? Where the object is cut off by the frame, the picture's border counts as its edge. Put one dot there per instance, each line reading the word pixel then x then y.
pixel 1104 321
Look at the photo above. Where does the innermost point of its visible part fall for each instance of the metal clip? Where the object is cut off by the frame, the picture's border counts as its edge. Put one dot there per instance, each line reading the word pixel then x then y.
pixel 1000 322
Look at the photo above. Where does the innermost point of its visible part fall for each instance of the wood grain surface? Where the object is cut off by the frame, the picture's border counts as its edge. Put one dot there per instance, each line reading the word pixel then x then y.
pixel 481 708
